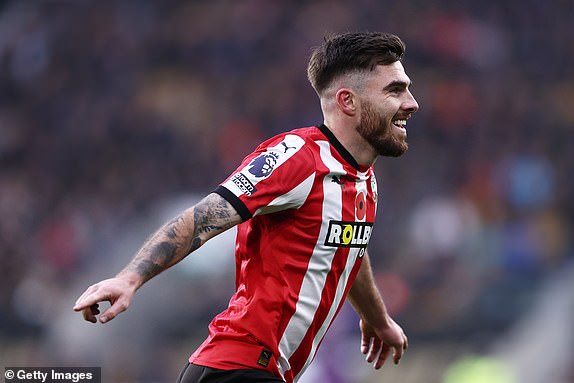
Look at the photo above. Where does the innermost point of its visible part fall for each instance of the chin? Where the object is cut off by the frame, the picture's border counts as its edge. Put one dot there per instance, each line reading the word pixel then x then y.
pixel 396 153
pixel 393 148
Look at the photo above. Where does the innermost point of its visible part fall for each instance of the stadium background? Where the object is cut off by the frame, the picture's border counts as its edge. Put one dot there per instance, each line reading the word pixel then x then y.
pixel 115 115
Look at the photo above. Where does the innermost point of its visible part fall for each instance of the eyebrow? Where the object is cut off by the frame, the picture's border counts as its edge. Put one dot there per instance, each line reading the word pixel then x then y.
pixel 397 83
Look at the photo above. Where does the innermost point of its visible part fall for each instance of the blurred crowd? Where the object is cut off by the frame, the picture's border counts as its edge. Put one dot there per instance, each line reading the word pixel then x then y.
pixel 109 108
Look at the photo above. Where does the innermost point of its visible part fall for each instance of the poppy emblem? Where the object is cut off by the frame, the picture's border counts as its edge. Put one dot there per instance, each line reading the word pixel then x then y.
pixel 360 206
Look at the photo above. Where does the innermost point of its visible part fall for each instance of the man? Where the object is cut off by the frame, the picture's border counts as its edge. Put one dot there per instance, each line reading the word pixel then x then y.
pixel 305 202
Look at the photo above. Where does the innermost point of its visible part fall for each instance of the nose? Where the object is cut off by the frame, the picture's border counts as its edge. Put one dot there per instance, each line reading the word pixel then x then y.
pixel 410 104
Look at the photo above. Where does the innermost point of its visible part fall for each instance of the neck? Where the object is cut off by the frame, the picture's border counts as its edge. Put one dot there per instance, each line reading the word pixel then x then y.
pixel 353 142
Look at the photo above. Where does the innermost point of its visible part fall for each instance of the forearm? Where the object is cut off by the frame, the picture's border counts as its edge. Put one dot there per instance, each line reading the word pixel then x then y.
pixel 180 237
pixel 166 247
pixel 365 297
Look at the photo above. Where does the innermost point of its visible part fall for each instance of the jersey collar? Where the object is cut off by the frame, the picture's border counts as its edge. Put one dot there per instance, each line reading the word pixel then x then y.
pixel 341 149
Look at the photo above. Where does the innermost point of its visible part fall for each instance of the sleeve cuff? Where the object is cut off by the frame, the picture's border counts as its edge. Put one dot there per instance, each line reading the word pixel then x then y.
pixel 242 210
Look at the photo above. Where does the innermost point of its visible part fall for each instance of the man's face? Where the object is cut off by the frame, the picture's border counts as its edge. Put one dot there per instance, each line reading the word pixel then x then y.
pixel 386 104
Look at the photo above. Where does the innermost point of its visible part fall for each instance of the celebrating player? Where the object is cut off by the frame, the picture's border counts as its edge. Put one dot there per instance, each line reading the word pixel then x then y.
pixel 305 203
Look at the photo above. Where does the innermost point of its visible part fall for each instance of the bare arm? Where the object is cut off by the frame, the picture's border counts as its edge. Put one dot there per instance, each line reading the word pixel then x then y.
pixel 365 297
pixel 181 236
pixel 166 247
pixel 380 333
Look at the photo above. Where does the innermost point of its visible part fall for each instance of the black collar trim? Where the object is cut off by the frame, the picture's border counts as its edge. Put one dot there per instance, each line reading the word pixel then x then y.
pixel 339 147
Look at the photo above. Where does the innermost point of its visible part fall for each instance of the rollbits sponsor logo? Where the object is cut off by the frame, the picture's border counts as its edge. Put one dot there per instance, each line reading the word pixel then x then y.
pixel 349 234
pixel 53 374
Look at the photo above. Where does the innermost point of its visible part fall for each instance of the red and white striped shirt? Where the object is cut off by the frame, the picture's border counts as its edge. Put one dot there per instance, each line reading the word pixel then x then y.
pixel 308 209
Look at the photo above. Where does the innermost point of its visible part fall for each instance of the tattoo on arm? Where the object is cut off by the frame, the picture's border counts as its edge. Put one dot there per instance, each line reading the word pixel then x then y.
pixel 183 235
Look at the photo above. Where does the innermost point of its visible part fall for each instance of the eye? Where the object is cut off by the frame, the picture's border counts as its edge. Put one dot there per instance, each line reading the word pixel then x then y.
pixel 396 88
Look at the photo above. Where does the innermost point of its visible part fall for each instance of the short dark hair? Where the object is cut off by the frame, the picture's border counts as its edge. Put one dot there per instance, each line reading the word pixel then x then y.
pixel 352 51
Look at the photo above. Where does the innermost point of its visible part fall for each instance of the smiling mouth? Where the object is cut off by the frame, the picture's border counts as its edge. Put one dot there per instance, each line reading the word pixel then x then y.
pixel 401 124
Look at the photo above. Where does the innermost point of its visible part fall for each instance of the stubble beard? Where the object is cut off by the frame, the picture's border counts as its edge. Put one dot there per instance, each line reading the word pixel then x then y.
pixel 378 132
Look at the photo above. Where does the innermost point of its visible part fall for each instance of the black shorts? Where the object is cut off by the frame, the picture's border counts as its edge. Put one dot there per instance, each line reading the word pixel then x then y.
pixel 192 373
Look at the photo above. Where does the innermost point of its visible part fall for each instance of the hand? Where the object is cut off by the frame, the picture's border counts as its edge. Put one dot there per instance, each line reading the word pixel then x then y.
pixel 118 291
pixel 377 343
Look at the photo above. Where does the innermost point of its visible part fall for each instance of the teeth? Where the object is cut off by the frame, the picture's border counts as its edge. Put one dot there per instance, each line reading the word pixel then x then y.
pixel 400 122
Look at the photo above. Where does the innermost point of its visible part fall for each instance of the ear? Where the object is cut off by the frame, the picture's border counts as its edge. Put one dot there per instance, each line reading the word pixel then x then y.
pixel 346 101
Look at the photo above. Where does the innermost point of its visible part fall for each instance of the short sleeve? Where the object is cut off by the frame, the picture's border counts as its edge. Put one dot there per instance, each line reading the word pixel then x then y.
pixel 278 175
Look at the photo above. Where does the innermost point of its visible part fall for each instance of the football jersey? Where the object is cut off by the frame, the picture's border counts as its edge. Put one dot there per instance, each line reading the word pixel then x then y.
pixel 308 210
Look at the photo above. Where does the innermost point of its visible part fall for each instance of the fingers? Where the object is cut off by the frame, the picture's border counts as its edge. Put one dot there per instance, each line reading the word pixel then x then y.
pixel 90 297
pixel 89 313
pixel 398 354
pixel 378 351
pixel 116 308
pixel 403 349
pixel 365 343
pixel 399 350
pixel 374 350
pixel 87 303
pixel 385 351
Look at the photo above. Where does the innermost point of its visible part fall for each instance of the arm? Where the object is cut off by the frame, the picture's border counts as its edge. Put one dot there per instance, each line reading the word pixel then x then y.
pixel 380 333
pixel 166 247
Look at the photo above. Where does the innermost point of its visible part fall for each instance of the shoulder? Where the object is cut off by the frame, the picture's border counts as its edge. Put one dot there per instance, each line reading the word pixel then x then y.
pixel 297 143
pixel 299 136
